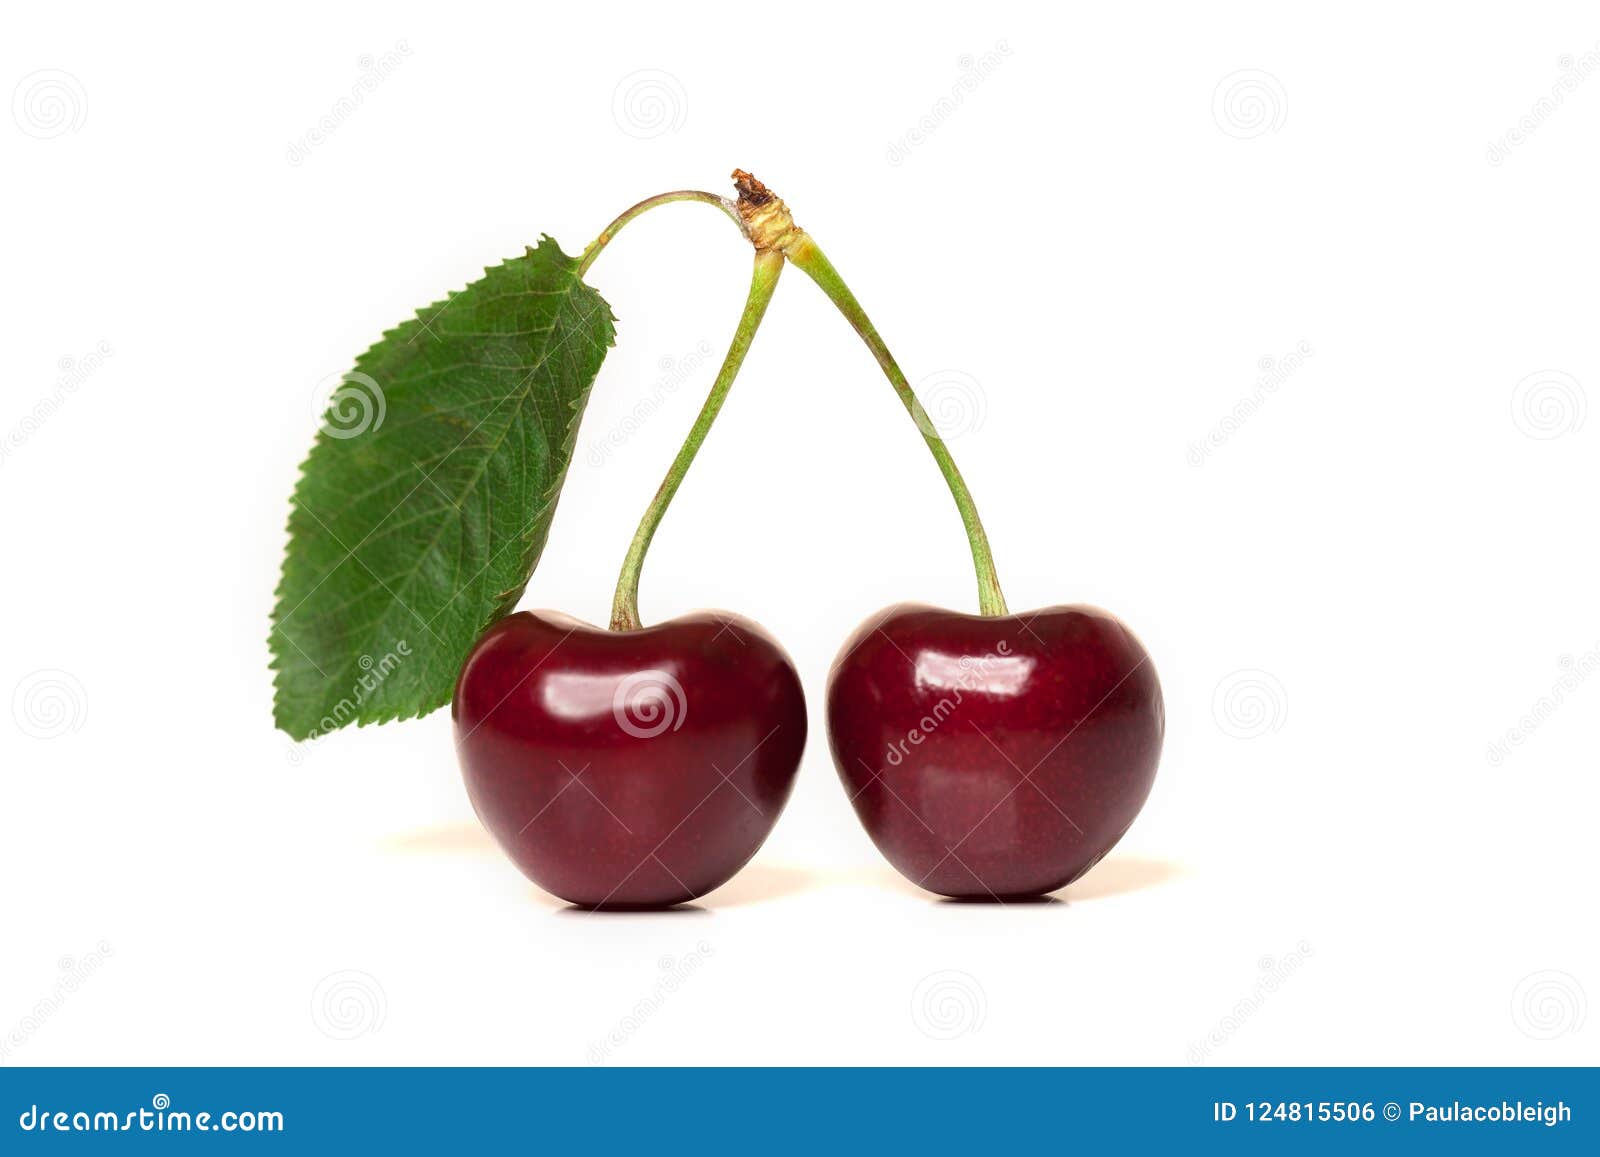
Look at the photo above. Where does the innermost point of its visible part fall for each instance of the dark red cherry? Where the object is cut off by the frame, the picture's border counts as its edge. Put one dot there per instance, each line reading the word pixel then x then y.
pixel 995 757
pixel 634 768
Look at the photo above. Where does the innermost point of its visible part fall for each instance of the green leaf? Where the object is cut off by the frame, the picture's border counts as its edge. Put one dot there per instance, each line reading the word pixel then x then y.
pixel 427 497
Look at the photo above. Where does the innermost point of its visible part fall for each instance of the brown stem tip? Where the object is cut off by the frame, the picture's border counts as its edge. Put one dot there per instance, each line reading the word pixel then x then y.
pixel 766 218
pixel 751 190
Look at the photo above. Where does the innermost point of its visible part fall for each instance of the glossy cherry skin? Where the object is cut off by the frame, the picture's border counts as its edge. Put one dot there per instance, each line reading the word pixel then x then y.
pixel 629 769
pixel 995 757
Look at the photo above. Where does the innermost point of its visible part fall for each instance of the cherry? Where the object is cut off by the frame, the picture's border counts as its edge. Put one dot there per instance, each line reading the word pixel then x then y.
pixel 992 755
pixel 640 766
pixel 637 768
pixel 995 756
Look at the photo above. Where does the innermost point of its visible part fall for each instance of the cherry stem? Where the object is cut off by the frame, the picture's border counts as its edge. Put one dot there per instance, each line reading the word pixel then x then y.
pixel 810 259
pixel 763 280
pixel 610 231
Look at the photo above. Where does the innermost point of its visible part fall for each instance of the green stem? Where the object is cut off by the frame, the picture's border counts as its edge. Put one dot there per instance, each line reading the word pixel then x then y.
pixel 810 259
pixel 610 231
pixel 763 280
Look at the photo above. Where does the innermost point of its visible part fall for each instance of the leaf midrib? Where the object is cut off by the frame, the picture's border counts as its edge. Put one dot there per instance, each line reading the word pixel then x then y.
pixel 523 394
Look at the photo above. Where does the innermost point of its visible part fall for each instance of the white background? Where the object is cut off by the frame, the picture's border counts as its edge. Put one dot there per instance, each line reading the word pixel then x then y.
pixel 1371 578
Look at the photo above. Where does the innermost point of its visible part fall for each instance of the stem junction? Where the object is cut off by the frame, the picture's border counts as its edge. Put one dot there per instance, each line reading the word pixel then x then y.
pixel 765 221
pixel 769 225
